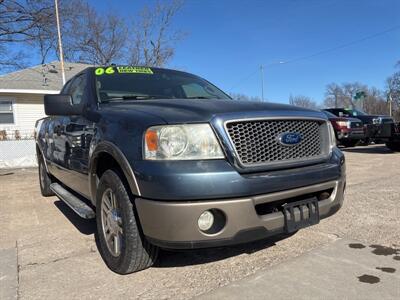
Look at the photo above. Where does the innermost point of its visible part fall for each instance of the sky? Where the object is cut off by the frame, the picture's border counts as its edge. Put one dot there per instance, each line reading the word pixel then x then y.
pixel 318 41
pixel 228 40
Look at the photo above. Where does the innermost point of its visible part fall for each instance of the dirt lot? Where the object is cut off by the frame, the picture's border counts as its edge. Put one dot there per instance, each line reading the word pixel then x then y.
pixel 58 258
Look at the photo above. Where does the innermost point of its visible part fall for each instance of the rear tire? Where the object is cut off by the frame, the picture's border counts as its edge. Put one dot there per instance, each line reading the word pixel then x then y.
pixel 44 179
pixel 122 245
pixel 394 146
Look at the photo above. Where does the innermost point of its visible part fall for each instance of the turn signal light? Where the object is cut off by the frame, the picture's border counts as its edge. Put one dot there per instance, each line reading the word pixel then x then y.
pixel 151 140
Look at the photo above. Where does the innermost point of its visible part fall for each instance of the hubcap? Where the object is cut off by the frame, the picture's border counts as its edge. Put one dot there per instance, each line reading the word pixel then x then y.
pixel 111 222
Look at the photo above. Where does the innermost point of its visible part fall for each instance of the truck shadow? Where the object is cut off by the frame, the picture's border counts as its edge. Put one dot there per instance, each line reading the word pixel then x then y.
pixel 381 149
pixel 176 258
pixel 171 258
pixel 84 226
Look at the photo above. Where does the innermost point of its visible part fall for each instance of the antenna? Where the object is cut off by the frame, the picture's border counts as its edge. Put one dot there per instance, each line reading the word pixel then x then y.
pixel 59 42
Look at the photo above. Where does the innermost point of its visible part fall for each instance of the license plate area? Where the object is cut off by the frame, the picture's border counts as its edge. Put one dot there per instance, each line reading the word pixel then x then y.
pixel 300 214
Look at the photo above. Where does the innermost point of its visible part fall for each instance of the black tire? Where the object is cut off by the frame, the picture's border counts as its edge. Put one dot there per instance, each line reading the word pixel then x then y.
pixel 394 146
pixel 135 253
pixel 44 179
pixel 349 144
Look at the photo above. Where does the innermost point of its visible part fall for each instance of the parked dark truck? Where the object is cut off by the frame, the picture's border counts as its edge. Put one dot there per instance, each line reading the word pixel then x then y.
pixel 394 142
pixel 378 128
pixel 163 158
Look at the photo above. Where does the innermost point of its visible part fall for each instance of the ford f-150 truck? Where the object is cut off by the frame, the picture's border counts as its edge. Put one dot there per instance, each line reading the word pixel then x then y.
pixel 164 159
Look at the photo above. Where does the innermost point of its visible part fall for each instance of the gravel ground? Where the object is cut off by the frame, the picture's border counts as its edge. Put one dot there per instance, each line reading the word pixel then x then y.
pixel 58 258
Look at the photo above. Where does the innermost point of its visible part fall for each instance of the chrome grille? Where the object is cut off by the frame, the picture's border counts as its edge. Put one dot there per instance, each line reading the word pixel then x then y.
pixel 256 141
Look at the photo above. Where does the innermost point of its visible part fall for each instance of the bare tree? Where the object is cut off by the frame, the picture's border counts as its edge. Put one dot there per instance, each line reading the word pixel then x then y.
pixel 375 102
pixel 393 87
pixel 88 35
pixel 393 93
pixel 95 38
pixel 18 18
pixel 350 90
pixel 153 41
pixel 18 21
pixel 334 96
pixel 31 23
pixel 303 101
pixel 344 95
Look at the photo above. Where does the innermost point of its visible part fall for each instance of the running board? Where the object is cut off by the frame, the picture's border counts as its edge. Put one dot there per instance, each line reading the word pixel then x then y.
pixel 76 204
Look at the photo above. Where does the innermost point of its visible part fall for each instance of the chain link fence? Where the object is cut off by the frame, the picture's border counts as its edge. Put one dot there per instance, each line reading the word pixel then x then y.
pixel 17 149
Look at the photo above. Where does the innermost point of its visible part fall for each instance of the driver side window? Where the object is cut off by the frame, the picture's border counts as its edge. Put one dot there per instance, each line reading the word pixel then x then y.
pixel 77 89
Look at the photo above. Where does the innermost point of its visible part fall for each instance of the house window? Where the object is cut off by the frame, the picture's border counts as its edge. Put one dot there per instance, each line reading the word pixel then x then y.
pixel 6 112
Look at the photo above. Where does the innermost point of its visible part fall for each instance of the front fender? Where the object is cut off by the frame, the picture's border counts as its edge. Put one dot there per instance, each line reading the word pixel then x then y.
pixel 112 150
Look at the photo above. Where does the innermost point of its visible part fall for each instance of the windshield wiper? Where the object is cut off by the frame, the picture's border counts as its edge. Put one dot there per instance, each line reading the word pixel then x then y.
pixel 132 97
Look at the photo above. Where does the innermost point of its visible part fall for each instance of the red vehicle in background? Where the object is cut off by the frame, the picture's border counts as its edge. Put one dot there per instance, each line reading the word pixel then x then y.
pixel 348 131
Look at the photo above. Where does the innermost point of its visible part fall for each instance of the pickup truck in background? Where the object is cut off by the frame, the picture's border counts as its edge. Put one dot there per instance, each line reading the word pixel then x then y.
pixel 378 128
pixel 394 142
pixel 348 131
pixel 164 159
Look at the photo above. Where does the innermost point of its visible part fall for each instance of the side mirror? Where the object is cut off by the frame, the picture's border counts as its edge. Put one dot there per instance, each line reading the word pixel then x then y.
pixel 61 105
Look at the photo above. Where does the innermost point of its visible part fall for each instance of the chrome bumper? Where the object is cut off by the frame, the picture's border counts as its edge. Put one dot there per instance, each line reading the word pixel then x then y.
pixel 174 224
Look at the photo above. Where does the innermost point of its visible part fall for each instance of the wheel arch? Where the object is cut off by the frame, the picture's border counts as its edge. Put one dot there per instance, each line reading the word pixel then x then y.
pixel 40 154
pixel 107 156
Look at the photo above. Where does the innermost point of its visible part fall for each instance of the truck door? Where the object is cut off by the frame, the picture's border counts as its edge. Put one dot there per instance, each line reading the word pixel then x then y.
pixel 74 138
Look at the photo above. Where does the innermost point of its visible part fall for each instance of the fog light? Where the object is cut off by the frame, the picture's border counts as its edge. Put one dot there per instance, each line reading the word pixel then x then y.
pixel 206 220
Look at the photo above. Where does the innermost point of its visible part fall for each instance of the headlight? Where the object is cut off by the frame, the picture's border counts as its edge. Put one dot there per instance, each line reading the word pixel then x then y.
pixel 377 120
pixel 181 142
pixel 332 137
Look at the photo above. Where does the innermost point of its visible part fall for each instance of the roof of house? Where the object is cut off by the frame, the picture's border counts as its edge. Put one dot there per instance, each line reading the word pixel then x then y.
pixel 44 78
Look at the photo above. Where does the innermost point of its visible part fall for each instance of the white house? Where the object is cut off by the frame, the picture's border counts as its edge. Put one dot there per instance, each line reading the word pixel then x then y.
pixel 21 104
pixel 21 96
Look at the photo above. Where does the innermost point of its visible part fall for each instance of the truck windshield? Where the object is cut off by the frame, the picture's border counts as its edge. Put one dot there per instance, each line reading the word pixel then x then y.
pixel 142 83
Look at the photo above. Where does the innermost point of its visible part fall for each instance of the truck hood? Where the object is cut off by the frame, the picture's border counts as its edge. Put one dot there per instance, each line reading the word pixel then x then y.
pixel 203 110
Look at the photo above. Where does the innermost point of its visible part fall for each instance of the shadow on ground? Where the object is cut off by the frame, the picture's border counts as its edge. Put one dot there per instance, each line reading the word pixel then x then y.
pixel 84 226
pixel 369 150
pixel 170 258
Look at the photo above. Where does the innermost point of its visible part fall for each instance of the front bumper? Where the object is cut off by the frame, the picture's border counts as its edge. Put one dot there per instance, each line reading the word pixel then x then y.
pixel 378 131
pixel 350 135
pixel 174 225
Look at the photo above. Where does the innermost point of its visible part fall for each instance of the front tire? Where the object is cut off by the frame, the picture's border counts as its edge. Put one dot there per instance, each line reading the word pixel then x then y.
pixel 122 245
pixel 44 179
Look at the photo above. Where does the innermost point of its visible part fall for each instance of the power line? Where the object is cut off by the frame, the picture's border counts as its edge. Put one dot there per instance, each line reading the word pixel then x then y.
pixel 244 79
pixel 345 45
pixel 338 47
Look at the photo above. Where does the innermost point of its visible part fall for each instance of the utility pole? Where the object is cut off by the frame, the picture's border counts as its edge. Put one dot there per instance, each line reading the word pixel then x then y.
pixel 60 43
pixel 262 82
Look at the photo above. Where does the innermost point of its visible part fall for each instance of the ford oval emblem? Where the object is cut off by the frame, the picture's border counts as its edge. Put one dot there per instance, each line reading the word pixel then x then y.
pixel 289 138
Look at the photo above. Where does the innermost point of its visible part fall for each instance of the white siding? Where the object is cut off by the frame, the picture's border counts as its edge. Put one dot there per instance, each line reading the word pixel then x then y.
pixel 27 109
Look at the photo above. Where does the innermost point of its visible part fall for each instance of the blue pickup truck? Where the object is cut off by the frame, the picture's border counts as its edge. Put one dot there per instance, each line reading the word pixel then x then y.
pixel 165 159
